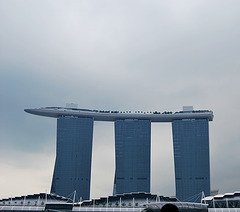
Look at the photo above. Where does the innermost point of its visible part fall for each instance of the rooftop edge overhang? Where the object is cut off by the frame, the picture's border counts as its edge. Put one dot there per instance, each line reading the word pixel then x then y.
pixel 103 116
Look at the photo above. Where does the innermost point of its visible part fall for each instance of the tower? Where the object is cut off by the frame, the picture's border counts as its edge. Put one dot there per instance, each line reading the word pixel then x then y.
pixel 191 157
pixel 132 152
pixel 72 170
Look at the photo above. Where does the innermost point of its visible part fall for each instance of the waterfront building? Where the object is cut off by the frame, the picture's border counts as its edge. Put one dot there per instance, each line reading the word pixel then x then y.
pixel 31 200
pixel 131 202
pixel 132 139
pixel 133 156
pixel 226 201
pixel 72 171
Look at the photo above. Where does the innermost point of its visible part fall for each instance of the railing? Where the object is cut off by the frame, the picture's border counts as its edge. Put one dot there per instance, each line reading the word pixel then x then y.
pixel 110 209
pixel 21 208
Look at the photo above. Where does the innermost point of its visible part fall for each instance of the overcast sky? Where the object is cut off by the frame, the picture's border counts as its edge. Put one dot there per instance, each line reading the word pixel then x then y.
pixel 116 55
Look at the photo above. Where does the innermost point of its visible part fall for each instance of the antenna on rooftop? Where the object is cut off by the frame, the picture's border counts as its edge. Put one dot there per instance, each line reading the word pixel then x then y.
pixel 187 108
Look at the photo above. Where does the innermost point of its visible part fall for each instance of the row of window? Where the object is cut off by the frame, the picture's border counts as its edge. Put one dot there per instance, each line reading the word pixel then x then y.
pixel 131 178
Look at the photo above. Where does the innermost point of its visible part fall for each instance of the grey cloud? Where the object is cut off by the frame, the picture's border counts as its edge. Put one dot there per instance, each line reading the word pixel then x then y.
pixel 124 55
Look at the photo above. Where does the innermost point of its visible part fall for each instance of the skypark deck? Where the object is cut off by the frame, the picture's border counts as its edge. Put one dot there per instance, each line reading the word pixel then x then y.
pixel 101 115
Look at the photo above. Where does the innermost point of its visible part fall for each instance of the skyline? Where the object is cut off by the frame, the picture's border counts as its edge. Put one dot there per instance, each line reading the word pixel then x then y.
pixel 190 132
pixel 117 55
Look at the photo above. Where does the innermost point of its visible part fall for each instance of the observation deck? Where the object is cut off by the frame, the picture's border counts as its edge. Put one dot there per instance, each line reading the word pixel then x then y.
pixel 103 115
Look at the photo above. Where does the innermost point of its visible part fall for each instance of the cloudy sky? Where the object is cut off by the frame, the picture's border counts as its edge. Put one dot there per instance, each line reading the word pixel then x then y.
pixel 116 55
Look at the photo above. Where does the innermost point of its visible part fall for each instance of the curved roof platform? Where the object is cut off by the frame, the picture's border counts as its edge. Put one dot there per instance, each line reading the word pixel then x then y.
pixel 100 115
pixel 235 195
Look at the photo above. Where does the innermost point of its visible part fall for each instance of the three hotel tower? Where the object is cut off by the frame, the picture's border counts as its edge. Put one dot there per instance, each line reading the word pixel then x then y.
pixel 72 171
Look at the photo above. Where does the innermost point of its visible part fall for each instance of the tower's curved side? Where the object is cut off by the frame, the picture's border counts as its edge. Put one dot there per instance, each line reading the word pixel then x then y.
pixel 72 171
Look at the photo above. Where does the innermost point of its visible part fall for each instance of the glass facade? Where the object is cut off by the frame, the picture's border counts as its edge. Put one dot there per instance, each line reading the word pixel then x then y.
pixel 133 156
pixel 191 158
pixel 72 170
